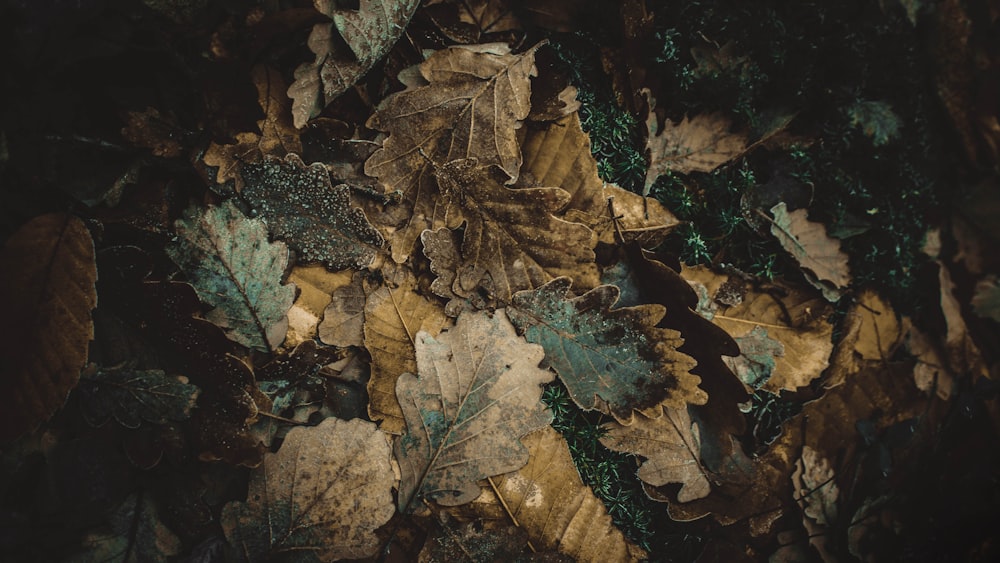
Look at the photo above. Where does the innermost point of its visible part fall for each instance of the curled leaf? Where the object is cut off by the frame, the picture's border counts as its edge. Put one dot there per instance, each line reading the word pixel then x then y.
pixel 825 265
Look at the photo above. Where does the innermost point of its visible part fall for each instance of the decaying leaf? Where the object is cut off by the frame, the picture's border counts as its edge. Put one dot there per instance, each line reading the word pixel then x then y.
pixel 815 487
pixel 321 497
pixel 699 144
pixel 344 318
pixel 986 300
pixel 234 268
pixel 316 284
pixel 467 22
pixel 671 445
pixel 473 542
pixel 824 264
pixel 931 373
pixel 394 314
pixel 875 119
pixel 47 293
pixel 441 247
pixel 465 102
pixel 613 360
pixel 880 331
pixel 131 396
pixel 961 350
pixel 276 137
pixel 135 534
pixel 299 205
pixel 478 392
pixel 152 130
pixel 369 32
pixel 512 241
pixel 758 355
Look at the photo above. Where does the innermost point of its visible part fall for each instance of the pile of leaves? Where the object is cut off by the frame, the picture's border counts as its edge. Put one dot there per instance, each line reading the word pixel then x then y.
pixel 426 281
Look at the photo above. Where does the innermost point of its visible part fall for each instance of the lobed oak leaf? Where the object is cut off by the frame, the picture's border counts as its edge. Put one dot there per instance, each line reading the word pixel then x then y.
pixel 758 356
pixel 477 394
pixel 613 360
pixel 131 396
pixel 301 206
pixel 344 318
pixel 814 484
pixel 234 268
pixel 824 264
pixel 47 293
pixel 316 285
pixel 369 33
pixel 462 102
pixel 319 498
pixel 468 22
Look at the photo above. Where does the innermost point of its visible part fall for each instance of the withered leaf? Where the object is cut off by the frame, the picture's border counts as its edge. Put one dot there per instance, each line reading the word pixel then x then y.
pixel 276 137
pixel 369 32
pixel 321 497
pixel 441 247
pixel 316 284
pixel 466 102
pixel 824 264
pixel 135 534
pixel 613 360
pixel 467 22
pixel 671 444
pixel 394 314
pixel 815 486
pixel 478 392
pixel 344 318
pixel 880 332
pixel 758 354
pixel 511 235
pixel 152 130
pixel 234 268
pixel 986 300
pixel 47 292
pixel 473 542
pixel 131 396
pixel 302 207
pixel 699 144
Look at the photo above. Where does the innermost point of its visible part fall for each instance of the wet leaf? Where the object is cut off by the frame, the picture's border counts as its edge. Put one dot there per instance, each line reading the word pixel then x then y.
pixel 135 534
pixel 234 268
pixel 824 264
pixel 47 293
pixel 613 360
pixel 131 396
pixel 301 206
pixel 315 284
pixel 986 300
pixel 344 318
pixel 478 392
pixel 369 32
pixel 320 498
pixel 758 355
pixel 463 102
pixel 276 136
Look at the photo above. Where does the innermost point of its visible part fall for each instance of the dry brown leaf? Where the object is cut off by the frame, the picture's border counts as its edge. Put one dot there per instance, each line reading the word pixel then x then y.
pixel 824 264
pixel 344 318
pixel 466 102
pixel 931 374
pixel 880 332
pixel 465 21
pixel 316 284
pixel 558 154
pixel 152 130
pixel 394 314
pixel 699 144
pixel 47 293
pixel 962 353
pixel 276 138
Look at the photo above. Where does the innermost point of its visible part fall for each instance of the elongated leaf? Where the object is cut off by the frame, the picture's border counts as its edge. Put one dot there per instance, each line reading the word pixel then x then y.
pixel 131 396
pixel 819 255
pixel 320 498
pixel 614 360
pixel 236 270
pixel 478 392
pixel 46 293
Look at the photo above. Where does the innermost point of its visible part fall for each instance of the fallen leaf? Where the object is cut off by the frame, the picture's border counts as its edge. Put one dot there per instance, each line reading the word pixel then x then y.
pixel 476 541
pixel 320 498
pixel 757 359
pixel 276 136
pixel 467 22
pixel 368 32
pixel 986 298
pixel 815 487
pixel 613 360
pixel 671 445
pixel 961 350
pixel 880 332
pixel 441 247
pixel 131 396
pixel 233 267
pixel 875 119
pixel 316 284
pixel 301 206
pixel 47 293
pixel 931 373
pixel 135 534
pixel 824 264
pixel 344 318
pixel 394 315
pixel 511 235
pixel 152 130
pixel 478 393
pixel 464 102
pixel 699 144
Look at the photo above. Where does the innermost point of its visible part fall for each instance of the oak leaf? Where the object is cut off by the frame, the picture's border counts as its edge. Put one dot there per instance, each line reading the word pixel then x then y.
pixel 369 32
pixel 47 292
pixel 699 144
pixel 316 284
pixel 815 486
pixel 613 360
pixel 824 264
pixel 344 318
pixel 478 393
pixel 276 137
pixel 467 22
pixel 476 541
pixel 986 299
pixel 131 396
pixel 302 207
pixel 234 268
pixel 463 102
pixel 757 359
pixel 441 247
pixel 135 534
pixel 320 497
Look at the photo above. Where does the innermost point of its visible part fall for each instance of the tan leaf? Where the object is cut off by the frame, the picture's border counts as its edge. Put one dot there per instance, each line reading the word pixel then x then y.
pixel 931 374
pixel 880 331
pixel 479 391
pixel 394 314
pixel 324 493
pixel 824 264
pixel 344 318
pixel 276 138
pixel 962 353
pixel 316 284
pixel 466 102
pixel 699 144
pixel 671 445
pixel 815 487
pixel 47 293
pixel 467 22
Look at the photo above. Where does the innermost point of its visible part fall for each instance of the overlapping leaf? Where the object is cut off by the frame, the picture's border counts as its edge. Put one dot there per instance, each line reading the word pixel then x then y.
pixel 135 534
pixel 614 360
pixel 234 268
pixel 824 263
pixel 131 396
pixel 478 392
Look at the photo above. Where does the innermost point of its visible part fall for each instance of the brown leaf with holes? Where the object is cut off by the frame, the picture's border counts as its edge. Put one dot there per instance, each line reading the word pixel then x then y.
pixel 276 137
pixel 47 293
